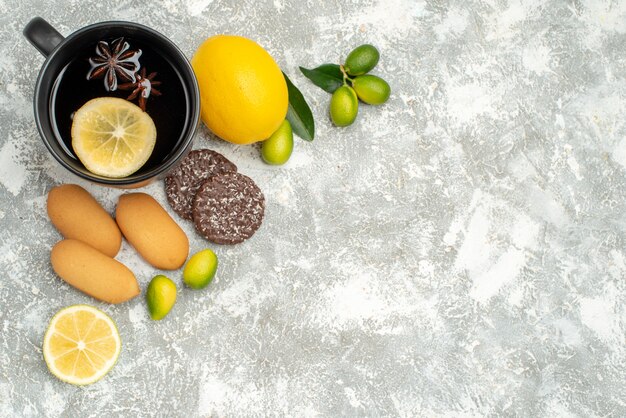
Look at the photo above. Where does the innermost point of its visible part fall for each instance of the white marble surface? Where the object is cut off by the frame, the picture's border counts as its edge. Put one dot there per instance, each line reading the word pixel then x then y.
pixel 460 251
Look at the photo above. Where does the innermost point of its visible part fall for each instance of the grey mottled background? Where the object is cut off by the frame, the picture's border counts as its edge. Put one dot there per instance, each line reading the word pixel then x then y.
pixel 460 251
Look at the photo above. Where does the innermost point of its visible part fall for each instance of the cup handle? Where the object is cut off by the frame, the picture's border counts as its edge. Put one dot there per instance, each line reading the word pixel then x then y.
pixel 42 36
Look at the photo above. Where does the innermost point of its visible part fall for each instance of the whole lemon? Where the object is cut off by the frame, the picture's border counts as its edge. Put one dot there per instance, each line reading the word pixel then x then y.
pixel 243 93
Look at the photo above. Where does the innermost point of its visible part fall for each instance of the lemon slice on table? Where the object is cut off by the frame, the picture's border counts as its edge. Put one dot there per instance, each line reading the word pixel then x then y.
pixel 112 137
pixel 81 344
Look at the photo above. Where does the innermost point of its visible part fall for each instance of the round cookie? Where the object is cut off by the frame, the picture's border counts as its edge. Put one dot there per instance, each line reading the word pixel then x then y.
pixel 185 180
pixel 228 208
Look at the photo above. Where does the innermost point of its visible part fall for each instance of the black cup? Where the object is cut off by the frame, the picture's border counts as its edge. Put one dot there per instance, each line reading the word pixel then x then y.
pixel 60 51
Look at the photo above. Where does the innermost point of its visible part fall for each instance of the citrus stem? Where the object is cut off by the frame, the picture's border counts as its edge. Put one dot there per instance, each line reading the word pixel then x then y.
pixel 345 76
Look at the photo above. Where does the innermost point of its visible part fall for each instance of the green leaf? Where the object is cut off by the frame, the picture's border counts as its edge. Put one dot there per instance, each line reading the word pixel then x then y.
pixel 299 113
pixel 327 76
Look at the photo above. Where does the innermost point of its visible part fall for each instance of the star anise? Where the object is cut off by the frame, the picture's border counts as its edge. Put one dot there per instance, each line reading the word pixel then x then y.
pixel 111 62
pixel 143 87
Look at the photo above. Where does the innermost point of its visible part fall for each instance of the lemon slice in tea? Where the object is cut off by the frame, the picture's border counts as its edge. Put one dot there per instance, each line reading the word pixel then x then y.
pixel 112 137
pixel 81 344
